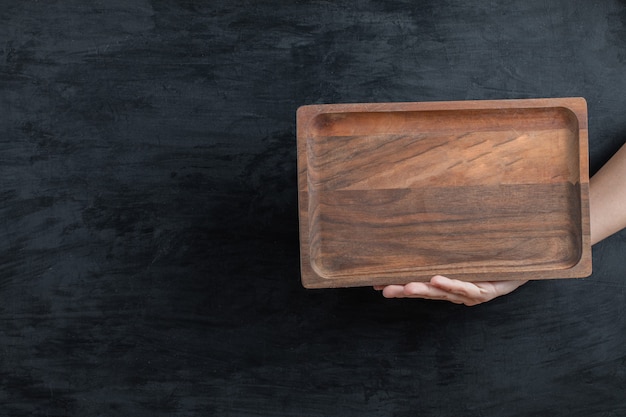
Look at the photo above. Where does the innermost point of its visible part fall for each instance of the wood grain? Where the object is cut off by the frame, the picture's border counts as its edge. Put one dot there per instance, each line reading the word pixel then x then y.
pixel 396 196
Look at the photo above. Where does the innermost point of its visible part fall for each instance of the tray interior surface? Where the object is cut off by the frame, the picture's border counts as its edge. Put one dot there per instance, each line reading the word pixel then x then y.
pixel 443 191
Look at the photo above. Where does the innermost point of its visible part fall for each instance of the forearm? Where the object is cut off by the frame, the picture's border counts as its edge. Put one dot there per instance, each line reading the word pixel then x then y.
pixel 607 198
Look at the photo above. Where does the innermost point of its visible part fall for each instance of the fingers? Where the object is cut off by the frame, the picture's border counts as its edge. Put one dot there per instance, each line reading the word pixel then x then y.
pixel 462 288
pixel 394 291
pixel 422 290
pixel 443 288
pixel 432 292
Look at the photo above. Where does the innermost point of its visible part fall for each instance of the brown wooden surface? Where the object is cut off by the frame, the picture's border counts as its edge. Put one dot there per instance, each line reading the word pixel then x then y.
pixel 398 192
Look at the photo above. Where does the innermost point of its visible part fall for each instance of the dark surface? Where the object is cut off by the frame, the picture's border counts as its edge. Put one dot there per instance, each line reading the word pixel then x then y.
pixel 149 251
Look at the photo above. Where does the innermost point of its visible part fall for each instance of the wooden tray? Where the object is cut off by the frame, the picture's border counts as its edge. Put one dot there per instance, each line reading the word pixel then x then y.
pixel 391 193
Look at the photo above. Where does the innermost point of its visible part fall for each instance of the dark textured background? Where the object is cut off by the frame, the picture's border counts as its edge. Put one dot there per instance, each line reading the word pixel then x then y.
pixel 148 218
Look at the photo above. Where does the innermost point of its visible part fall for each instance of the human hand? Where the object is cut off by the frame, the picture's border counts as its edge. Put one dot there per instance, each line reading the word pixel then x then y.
pixel 458 292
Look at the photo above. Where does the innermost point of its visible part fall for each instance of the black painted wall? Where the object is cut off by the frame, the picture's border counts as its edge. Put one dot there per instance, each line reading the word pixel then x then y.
pixel 148 219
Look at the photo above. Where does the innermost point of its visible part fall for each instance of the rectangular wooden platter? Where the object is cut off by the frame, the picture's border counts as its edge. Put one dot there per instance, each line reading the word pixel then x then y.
pixel 391 193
